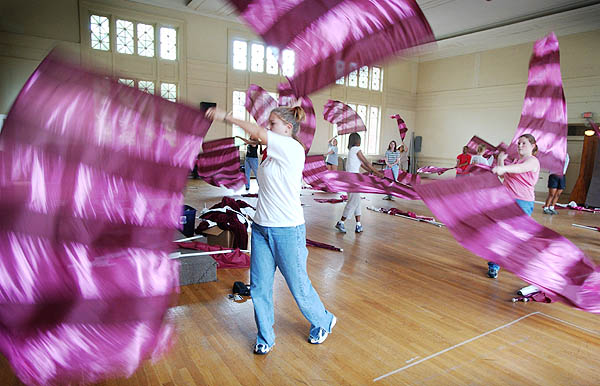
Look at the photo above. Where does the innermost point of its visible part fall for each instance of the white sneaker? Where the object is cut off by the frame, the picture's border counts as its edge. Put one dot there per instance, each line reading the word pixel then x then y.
pixel 262 349
pixel 319 335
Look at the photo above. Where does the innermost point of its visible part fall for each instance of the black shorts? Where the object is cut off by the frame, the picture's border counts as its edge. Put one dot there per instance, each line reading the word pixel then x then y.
pixel 557 182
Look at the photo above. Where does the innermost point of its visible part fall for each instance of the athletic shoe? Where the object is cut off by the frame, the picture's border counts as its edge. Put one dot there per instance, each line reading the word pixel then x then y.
pixel 319 335
pixel 358 229
pixel 262 349
pixel 340 227
pixel 493 272
pixel 547 211
pixel 388 198
pixel 552 211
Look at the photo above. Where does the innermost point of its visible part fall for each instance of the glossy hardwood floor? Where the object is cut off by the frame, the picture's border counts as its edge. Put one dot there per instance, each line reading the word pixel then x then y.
pixel 413 307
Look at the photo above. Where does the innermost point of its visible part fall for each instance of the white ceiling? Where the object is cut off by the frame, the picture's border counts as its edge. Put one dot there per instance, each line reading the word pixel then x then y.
pixel 463 26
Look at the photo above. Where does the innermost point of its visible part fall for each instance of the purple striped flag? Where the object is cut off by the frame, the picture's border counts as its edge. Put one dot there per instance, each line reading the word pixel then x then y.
pixel 287 97
pixel 218 144
pixel 544 113
pixel 314 166
pixel 331 38
pixel 221 167
pixel 259 104
pixel 91 179
pixel 484 218
pixel 343 116
pixel 401 125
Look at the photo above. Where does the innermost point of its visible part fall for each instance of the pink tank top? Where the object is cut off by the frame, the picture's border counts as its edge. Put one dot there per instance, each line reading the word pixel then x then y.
pixel 521 185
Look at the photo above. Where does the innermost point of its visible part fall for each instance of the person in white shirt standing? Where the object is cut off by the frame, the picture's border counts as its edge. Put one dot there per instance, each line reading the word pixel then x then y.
pixel 556 185
pixel 356 159
pixel 278 231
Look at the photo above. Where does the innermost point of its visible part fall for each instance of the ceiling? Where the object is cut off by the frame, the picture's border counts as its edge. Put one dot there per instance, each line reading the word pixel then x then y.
pixel 463 26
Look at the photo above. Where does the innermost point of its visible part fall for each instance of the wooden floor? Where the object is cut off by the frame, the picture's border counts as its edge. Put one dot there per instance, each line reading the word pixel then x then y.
pixel 413 307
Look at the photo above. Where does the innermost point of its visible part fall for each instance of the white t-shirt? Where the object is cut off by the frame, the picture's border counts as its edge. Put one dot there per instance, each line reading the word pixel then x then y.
pixel 479 159
pixel 280 181
pixel 353 163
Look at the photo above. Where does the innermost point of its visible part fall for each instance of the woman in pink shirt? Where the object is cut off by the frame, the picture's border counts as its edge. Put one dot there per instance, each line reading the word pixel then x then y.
pixel 520 179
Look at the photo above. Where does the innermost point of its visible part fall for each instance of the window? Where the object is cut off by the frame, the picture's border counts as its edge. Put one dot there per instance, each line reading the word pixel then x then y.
pixel 341 81
pixel 99 33
pixel 257 58
pixel 168 43
pixel 127 82
pixel 376 79
pixel 146 86
pixel 125 37
pixel 169 91
pixel 145 46
pixel 262 58
pixel 239 111
pixel 363 77
pixel 353 79
pixel 371 116
pixel 240 55
pixel 272 55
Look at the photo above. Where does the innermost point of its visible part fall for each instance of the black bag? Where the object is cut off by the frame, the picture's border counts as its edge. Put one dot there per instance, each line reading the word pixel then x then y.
pixel 241 288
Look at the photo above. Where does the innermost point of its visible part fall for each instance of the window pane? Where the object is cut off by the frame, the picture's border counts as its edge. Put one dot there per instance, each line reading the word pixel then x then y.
pixel 125 37
pixel 274 95
pixel 373 130
pixel 146 86
pixel 376 79
pixel 169 91
pixel 239 111
pixel 340 81
pixel 363 77
pixel 361 110
pixel 240 54
pixel 127 82
pixel 272 55
pixel 353 79
pixel 257 58
pixel 99 33
pixel 288 62
pixel 168 43
pixel 145 36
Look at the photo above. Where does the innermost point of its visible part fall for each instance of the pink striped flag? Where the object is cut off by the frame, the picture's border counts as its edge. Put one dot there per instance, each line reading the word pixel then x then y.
pixel 221 167
pixel 544 113
pixel 433 169
pixel 403 177
pixel 314 166
pixel 401 125
pixel 343 116
pixel 218 144
pixel 486 220
pixel 287 97
pixel 360 183
pixel 332 38
pixel 318 244
pixel 91 179
pixel 490 150
pixel 259 104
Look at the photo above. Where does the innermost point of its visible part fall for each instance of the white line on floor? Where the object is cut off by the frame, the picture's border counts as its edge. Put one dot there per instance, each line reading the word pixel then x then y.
pixel 571 324
pixel 455 346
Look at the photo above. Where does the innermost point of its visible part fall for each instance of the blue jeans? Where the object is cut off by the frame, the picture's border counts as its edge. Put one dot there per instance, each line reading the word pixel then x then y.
pixel 251 164
pixel 283 247
pixel 395 170
pixel 527 207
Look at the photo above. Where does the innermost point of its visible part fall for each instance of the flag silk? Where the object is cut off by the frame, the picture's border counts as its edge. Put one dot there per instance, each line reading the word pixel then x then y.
pixel 329 39
pixel 401 126
pixel 490 150
pixel 433 169
pixel 91 178
pixel 544 113
pixel 403 177
pixel 221 167
pixel 287 97
pixel 259 103
pixel 314 166
pixel 343 116
pixel 360 183
pixel 486 220
pixel 218 144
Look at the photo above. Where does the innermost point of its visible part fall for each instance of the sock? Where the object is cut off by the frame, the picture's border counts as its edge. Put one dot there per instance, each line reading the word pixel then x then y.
pixel 545 208
pixel 358 224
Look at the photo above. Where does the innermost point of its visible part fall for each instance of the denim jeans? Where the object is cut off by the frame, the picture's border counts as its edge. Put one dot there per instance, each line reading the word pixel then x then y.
pixel 251 164
pixel 283 247
pixel 527 207
pixel 395 170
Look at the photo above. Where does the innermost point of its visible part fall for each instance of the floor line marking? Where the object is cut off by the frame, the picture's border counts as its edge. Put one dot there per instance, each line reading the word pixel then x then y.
pixel 455 346
pixel 571 324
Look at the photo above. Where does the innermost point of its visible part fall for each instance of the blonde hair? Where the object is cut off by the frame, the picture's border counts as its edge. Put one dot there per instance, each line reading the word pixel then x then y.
pixel 293 116
pixel 532 141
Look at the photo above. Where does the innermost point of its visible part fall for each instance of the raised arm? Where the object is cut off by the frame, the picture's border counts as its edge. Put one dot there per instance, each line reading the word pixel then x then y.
pixel 248 141
pixel 529 165
pixel 367 165
pixel 216 114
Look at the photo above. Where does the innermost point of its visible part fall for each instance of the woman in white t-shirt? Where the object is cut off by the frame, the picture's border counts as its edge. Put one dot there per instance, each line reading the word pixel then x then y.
pixel 278 231
pixel 356 159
